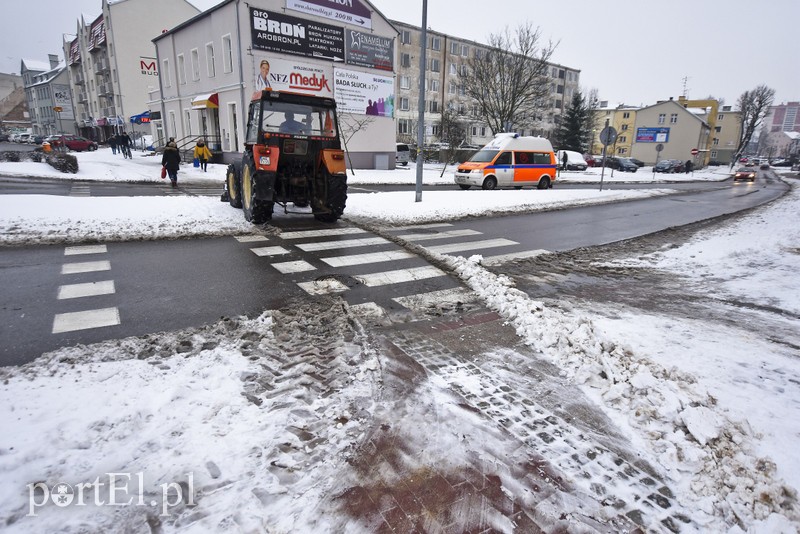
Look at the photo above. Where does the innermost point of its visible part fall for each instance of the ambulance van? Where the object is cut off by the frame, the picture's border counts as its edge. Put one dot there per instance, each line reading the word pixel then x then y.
pixel 510 161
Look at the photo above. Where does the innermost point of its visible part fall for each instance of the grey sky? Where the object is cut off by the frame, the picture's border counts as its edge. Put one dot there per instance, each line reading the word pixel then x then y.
pixel 633 51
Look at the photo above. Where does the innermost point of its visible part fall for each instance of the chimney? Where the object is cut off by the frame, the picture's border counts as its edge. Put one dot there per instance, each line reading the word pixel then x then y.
pixel 53 60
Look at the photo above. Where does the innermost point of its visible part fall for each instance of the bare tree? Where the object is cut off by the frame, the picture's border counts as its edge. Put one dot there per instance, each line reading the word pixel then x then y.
pixel 453 132
pixel 754 106
pixel 509 82
pixel 350 125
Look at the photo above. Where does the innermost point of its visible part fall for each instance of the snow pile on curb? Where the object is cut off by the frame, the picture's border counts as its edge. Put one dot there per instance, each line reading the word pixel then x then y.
pixel 672 415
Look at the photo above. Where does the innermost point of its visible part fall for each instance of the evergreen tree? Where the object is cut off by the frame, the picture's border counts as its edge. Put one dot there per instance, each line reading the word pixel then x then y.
pixel 572 132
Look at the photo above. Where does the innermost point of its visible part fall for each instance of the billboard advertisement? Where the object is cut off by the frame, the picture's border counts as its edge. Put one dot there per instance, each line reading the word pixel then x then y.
pixel 652 135
pixel 363 93
pixel 276 32
pixel 369 50
pixel 350 11
pixel 287 75
pixel 62 99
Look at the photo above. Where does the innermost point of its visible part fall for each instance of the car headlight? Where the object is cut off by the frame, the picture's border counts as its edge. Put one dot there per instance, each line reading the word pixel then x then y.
pixel 477 171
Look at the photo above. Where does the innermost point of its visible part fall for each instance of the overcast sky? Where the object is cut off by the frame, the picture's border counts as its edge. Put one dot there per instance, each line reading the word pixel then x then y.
pixel 633 51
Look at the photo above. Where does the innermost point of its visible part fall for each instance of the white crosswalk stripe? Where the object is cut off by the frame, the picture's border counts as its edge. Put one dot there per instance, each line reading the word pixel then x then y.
pixel 85 320
pixel 302 234
pixel 250 238
pixel 347 243
pixel 89 289
pixel 472 245
pixel 503 258
pixel 269 251
pixel 371 257
pixel 399 276
pixel 86 267
pixel 440 235
pixel 86 249
pixel 288 267
pixel 79 191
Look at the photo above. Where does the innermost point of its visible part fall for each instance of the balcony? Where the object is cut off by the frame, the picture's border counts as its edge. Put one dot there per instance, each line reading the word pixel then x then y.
pixel 82 97
pixel 105 89
pixel 101 66
pixel 79 79
pixel 108 112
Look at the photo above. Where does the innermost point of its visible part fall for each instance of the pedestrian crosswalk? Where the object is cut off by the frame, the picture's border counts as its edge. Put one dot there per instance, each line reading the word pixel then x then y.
pixel 191 190
pixel 79 190
pixel 354 263
pixel 77 293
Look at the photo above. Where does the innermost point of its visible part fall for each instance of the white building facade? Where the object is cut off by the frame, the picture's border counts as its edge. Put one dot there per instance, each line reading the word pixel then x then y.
pixel 111 62
pixel 48 95
pixel 211 66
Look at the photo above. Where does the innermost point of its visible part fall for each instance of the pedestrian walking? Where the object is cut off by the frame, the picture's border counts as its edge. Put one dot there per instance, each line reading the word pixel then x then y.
pixel 171 160
pixel 127 143
pixel 203 154
pixel 689 166
pixel 112 142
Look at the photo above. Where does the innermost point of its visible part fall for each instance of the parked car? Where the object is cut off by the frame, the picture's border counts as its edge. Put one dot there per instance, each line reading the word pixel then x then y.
pixel 744 173
pixel 575 161
pixel 36 139
pixel 623 164
pixel 637 162
pixel 23 138
pixel 669 166
pixel 4 137
pixel 72 142
pixel 589 159
pixel 403 154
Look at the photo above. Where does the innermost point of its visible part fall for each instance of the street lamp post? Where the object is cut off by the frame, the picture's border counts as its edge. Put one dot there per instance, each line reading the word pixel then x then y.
pixel 421 103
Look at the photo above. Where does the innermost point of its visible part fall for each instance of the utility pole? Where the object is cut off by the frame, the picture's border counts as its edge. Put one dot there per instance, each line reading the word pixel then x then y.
pixel 421 106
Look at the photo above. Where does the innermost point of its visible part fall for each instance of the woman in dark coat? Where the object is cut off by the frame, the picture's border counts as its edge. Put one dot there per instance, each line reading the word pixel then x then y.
pixel 172 161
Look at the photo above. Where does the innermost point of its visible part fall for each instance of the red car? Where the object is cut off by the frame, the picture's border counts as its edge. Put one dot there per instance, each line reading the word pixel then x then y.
pixel 743 173
pixel 72 142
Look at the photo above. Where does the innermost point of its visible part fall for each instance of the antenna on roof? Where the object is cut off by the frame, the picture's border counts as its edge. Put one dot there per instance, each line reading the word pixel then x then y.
pixel 685 87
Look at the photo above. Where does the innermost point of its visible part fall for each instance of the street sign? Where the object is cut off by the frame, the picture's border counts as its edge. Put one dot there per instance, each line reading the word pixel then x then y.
pixel 659 147
pixel 695 152
pixel 608 135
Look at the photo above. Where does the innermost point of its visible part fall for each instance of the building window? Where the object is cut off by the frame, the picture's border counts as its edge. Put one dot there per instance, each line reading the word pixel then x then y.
pixel 462 108
pixel 451 88
pixel 478 53
pixel 465 50
pixel 181 70
pixel 557 104
pixel 673 118
pixel 434 65
pixel 720 117
pixel 453 69
pixel 433 106
pixel 404 126
pixel 662 118
pixel 560 90
pixel 455 48
pixel 405 60
pixel 405 82
pixel 405 37
pixel 713 154
pixel 435 43
pixel 434 86
pixel 403 103
pixel 435 129
pixel 212 69
pixel 165 73
pixel 718 129
pixel 624 127
pixel 622 151
pixel 626 115
pixel 195 64
pixel 622 139
pixel 227 54
pixel 715 142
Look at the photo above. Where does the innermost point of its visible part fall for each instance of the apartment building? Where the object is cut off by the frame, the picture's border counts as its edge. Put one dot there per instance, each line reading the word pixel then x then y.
pixel 725 136
pixel 447 64
pixel 776 139
pixel 48 96
pixel 111 61
pixel 673 127
pixel 212 64
pixel 622 118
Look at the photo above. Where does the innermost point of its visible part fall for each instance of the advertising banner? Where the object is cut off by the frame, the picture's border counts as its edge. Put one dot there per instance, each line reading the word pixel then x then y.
pixel 363 93
pixel 369 50
pixel 286 75
pixel 276 32
pixel 652 135
pixel 61 98
pixel 347 11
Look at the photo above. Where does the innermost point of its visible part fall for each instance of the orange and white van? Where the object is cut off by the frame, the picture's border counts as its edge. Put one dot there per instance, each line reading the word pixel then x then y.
pixel 510 160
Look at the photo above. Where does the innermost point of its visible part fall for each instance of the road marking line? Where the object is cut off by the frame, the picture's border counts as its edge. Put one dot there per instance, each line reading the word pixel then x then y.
pixel 415 226
pixel 88 249
pixel 472 245
pixel 269 251
pixel 503 258
pixel 90 289
pixel 440 235
pixel 420 301
pixel 373 257
pixel 347 243
pixel 79 191
pixel 86 267
pixel 288 267
pixel 323 287
pixel 85 320
pixel 250 238
pixel 399 276
pixel 320 233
